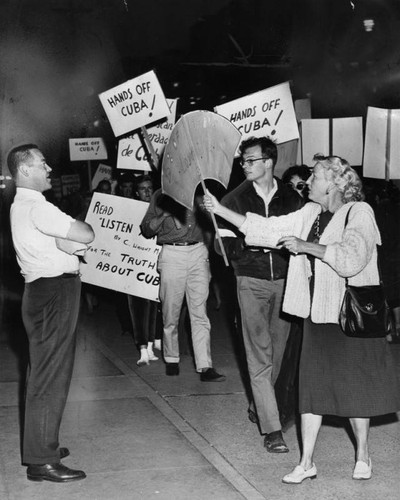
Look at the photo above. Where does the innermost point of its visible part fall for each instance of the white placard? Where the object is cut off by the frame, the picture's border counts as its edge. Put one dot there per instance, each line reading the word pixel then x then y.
pixel 314 139
pixel 134 103
pixel 131 152
pixel 120 258
pixel 87 148
pixel 382 149
pixel 102 172
pixel 347 139
pixel 269 112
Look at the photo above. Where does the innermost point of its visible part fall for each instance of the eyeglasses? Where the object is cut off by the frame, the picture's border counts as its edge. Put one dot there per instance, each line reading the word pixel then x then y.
pixel 251 161
pixel 299 186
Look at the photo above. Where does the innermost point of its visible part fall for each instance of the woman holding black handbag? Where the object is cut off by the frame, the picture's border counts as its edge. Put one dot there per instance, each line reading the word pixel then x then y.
pixel 339 375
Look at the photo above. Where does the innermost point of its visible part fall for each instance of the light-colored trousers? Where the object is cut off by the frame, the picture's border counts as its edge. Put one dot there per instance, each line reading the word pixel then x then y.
pixel 265 333
pixel 185 271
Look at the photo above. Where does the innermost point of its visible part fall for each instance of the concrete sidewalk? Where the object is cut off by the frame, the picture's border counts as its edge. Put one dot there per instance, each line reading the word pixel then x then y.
pixel 139 434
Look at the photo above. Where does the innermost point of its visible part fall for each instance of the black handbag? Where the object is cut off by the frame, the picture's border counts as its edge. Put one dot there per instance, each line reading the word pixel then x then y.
pixel 365 312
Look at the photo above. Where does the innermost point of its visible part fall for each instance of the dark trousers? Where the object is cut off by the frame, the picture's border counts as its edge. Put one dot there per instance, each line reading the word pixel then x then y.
pixel 50 308
pixel 144 319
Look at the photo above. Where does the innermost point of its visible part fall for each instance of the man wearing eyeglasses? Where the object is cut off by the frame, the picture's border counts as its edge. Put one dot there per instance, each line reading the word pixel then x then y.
pixel 260 275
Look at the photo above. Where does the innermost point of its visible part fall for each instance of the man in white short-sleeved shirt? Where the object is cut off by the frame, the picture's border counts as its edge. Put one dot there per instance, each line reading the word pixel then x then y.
pixel 47 243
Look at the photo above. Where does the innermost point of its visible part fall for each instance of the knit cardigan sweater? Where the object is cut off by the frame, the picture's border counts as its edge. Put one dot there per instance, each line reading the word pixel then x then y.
pixel 350 253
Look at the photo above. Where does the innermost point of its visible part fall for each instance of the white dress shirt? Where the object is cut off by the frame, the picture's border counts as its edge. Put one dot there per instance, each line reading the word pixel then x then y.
pixel 35 225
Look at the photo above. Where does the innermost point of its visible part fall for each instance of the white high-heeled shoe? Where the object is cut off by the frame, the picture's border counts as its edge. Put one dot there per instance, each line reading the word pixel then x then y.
pixel 362 470
pixel 298 475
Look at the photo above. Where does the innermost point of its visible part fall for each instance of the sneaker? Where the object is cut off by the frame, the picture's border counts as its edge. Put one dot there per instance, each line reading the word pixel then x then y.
pixel 172 369
pixel 210 375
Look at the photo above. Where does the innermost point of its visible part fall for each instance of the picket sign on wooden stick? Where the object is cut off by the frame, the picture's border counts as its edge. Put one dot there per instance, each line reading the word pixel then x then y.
pixel 150 148
pixel 203 185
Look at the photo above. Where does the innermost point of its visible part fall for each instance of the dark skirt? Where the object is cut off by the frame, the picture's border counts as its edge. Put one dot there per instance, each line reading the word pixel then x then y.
pixel 347 377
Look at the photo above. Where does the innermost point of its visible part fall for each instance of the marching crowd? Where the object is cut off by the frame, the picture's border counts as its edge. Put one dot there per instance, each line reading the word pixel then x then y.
pixel 292 243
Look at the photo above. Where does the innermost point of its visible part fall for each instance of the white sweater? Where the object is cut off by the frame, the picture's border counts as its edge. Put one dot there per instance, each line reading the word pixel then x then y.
pixel 351 254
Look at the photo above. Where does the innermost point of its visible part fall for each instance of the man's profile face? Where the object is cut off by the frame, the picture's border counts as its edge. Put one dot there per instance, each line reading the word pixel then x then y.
pixel 38 172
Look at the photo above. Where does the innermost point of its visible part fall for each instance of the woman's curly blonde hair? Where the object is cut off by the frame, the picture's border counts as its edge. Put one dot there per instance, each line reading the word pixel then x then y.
pixel 345 178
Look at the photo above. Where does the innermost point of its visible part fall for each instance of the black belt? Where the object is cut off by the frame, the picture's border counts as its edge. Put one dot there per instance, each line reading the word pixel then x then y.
pixel 183 243
pixel 69 275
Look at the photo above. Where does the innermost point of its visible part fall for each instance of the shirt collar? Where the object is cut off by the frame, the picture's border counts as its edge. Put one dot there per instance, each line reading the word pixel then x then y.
pixel 29 193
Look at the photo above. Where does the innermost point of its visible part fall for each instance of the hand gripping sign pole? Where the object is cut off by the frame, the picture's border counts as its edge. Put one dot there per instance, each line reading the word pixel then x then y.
pixel 202 146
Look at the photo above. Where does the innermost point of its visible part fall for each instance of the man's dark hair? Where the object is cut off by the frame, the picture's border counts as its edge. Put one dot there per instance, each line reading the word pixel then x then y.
pixel 18 155
pixel 268 147
pixel 142 178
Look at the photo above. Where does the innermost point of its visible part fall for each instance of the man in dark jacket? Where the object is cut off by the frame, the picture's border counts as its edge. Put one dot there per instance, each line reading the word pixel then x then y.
pixel 260 274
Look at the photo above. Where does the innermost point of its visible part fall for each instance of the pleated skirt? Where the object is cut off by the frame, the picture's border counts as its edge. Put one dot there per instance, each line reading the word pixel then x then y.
pixel 347 377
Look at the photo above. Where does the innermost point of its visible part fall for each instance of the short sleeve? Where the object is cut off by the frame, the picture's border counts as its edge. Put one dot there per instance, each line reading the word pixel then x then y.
pixel 50 220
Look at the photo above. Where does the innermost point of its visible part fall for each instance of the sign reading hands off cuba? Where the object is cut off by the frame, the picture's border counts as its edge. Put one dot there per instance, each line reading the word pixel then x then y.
pixel 135 103
pixel 120 258
pixel 269 113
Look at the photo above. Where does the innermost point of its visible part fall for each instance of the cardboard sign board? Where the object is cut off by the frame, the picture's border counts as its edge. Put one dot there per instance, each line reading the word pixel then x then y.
pixel 287 157
pixel 87 148
pixel 202 146
pixel 314 139
pixel 269 112
pixel 131 152
pixel 120 258
pixel 135 103
pixel 102 172
pixel 382 145
pixel 347 139
pixel 70 184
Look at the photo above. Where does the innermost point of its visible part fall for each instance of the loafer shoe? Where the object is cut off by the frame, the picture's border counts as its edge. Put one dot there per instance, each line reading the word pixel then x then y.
pixel 252 416
pixel 57 473
pixel 210 375
pixel 298 475
pixel 362 470
pixel 64 452
pixel 172 369
pixel 274 442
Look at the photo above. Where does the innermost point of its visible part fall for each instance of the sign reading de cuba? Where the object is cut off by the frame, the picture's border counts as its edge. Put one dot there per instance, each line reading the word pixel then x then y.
pixel 135 103
pixel 120 258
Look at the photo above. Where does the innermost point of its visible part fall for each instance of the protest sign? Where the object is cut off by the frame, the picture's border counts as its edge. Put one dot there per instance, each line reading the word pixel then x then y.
pixel 102 172
pixel 382 147
pixel 314 139
pixel 347 139
pixel 202 146
pixel 131 152
pixel 120 258
pixel 87 148
pixel 269 112
pixel 134 103
pixel 302 109
pixel 70 184
pixel 287 157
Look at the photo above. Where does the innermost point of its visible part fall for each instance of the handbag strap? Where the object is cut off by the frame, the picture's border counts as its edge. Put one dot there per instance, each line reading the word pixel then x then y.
pixel 377 256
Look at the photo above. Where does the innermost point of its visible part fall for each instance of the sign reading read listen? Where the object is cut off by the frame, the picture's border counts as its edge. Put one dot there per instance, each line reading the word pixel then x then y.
pixel 120 258
pixel 87 148
pixel 135 103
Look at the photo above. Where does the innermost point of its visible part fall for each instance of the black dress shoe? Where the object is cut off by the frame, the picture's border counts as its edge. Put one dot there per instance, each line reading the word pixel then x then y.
pixel 64 452
pixel 57 473
pixel 210 375
pixel 172 369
